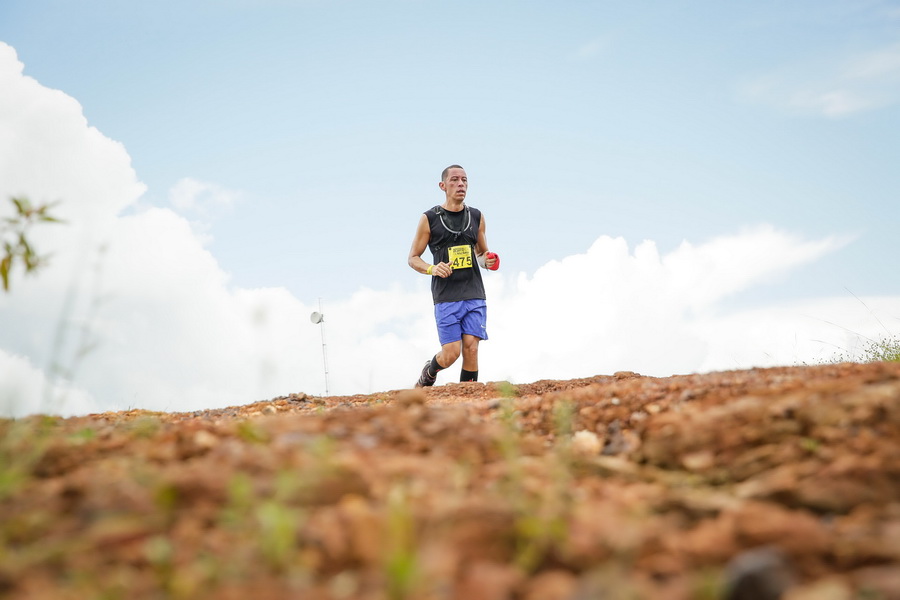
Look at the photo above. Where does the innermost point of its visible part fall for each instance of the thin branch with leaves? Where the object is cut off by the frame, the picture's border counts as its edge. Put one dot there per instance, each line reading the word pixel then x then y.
pixel 14 237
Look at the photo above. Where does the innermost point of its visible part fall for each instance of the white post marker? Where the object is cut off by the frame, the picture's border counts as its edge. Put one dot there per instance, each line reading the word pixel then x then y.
pixel 318 319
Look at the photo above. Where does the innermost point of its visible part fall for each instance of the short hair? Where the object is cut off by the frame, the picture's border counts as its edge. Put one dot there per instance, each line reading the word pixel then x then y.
pixel 444 172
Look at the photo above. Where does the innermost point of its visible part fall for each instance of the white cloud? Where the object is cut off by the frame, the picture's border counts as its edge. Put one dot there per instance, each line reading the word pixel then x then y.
pixel 862 82
pixel 201 202
pixel 51 154
pixel 201 197
pixel 609 310
pixel 141 315
pixel 810 332
pixel 25 389
pixel 132 306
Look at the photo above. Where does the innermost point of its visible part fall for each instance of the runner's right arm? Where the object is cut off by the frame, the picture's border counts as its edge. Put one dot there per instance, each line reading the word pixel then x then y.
pixel 419 245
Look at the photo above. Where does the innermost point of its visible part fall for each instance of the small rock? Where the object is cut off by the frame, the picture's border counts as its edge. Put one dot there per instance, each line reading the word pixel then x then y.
pixel 884 580
pixel 698 461
pixel 625 375
pixel 489 581
pixel 409 398
pixel 205 439
pixel 551 585
pixel 620 441
pixel 586 444
pixel 759 574
pixel 829 588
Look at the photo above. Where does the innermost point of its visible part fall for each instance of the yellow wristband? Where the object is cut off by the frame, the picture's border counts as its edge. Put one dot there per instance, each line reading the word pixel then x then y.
pixel 429 270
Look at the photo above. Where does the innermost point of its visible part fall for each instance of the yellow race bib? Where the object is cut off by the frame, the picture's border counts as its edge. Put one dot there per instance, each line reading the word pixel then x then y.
pixel 460 257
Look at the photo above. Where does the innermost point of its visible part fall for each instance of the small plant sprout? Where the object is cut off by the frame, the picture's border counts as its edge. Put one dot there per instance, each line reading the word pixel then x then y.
pixel 401 564
pixel 14 238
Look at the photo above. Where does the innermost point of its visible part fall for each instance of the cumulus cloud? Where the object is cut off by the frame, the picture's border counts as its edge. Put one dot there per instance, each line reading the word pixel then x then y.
pixel 50 153
pixel 132 311
pixel 200 196
pixel 610 309
pixel 26 389
pixel 808 332
pixel 201 202
pixel 866 81
pixel 135 312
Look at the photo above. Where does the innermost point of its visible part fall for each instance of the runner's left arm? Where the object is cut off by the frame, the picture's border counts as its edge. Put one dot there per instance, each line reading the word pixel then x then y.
pixel 486 258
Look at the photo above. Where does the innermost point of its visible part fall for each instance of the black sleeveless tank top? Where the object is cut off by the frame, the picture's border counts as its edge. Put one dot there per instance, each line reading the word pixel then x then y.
pixel 453 240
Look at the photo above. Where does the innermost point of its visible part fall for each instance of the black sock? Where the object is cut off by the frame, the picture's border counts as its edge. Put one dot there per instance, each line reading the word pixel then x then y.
pixel 468 375
pixel 434 367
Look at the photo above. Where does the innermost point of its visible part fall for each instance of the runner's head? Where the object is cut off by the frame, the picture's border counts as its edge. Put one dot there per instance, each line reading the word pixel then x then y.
pixel 454 183
pixel 446 171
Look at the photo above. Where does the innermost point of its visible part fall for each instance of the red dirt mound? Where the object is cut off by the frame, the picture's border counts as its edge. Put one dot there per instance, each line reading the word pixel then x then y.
pixel 765 483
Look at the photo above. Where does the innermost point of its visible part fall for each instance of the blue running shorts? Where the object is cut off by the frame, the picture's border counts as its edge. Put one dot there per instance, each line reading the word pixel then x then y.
pixel 456 318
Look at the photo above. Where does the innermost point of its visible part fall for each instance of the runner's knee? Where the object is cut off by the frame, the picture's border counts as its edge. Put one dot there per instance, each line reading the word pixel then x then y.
pixel 449 354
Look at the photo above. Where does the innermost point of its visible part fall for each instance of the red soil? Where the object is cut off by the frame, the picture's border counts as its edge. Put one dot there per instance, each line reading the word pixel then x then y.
pixel 770 483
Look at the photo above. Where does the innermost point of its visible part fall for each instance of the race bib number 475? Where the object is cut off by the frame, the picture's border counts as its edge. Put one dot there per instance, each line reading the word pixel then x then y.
pixel 461 257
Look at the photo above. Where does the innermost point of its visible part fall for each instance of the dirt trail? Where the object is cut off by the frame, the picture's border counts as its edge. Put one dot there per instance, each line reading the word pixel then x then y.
pixel 762 483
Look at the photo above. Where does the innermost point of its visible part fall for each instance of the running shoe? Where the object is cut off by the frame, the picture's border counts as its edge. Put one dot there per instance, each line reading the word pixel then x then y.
pixel 426 379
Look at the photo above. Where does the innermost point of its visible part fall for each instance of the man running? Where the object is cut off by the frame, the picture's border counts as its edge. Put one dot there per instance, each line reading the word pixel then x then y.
pixel 454 232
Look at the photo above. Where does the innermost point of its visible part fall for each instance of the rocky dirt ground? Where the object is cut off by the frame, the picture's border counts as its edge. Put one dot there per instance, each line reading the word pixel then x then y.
pixel 765 483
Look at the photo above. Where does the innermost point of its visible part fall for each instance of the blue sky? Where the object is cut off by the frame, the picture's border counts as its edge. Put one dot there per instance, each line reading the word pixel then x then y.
pixel 300 140
pixel 332 119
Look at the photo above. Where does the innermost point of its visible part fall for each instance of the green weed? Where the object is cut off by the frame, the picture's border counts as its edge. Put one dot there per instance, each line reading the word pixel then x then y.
pixel 82 436
pixel 267 526
pixel 401 565
pixel 241 497
pixel 540 515
pixel 564 419
pixel 22 445
pixel 278 525
pixel 507 389
pixel 542 523
pixel 250 432
pixel 146 426
pixel 16 246
pixel 885 348
pixel 810 445
pixel 709 584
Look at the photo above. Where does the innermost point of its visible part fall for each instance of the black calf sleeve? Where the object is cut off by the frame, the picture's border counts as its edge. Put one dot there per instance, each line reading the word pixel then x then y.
pixel 434 367
pixel 468 375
